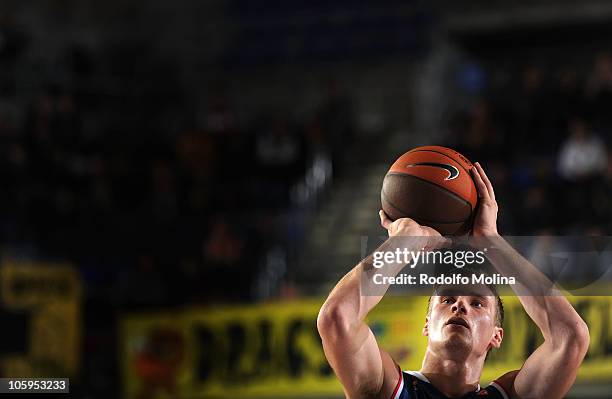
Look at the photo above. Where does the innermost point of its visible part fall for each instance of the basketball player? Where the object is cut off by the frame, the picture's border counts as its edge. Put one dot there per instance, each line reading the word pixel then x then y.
pixel 461 327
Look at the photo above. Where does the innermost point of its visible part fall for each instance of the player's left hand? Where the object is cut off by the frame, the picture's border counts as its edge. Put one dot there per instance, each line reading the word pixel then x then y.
pixel 407 228
pixel 485 222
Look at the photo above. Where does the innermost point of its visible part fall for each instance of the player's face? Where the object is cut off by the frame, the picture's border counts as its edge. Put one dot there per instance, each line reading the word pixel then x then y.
pixel 463 321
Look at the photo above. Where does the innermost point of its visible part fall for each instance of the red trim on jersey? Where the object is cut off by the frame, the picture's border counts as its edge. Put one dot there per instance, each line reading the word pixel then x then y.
pixel 399 382
pixel 501 386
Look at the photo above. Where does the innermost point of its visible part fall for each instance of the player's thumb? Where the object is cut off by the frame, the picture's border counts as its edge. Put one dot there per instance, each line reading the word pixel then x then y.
pixel 384 219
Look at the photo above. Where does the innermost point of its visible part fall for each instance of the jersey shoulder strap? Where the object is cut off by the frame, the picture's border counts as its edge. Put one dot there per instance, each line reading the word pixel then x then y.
pixel 494 390
pixel 414 385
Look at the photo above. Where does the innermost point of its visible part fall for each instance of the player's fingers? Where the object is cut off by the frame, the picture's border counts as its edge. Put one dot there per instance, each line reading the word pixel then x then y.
pixel 486 180
pixel 437 240
pixel 406 222
pixel 384 219
pixel 480 185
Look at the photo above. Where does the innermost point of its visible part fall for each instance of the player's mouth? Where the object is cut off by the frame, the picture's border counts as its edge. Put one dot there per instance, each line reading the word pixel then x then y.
pixel 458 321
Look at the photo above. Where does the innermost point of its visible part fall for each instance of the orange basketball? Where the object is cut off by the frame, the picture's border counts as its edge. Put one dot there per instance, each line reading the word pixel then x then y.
pixel 433 186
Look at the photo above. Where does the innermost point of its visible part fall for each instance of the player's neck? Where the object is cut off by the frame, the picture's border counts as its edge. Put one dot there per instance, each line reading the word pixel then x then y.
pixel 453 377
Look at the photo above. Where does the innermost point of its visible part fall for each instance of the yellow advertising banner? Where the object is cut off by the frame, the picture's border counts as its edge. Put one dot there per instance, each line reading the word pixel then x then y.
pixel 274 350
pixel 47 297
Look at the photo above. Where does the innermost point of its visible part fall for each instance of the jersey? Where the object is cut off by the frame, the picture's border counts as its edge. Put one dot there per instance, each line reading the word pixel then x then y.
pixel 414 385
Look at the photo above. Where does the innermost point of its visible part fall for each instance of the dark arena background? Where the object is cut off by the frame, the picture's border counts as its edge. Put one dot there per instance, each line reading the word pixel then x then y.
pixel 183 182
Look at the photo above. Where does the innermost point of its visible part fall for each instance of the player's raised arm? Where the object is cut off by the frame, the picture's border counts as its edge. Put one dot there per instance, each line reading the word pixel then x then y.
pixel 550 371
pixel 364 369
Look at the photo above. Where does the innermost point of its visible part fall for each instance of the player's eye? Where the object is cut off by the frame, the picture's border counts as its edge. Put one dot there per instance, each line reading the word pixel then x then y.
pixel 477 304
pixel 448 300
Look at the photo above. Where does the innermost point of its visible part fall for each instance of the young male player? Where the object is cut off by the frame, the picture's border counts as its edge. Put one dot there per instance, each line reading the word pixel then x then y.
pixel 461 327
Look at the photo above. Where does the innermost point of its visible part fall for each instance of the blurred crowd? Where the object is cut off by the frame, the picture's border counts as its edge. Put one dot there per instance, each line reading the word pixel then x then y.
pixel 159 194
pixel 151 216
pixel 544 134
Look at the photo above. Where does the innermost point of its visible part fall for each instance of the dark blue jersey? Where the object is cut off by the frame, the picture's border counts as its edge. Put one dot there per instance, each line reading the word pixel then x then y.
pixel 414 385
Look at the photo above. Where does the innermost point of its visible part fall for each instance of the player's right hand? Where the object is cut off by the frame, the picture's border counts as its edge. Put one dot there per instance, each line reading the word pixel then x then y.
pixel 485 222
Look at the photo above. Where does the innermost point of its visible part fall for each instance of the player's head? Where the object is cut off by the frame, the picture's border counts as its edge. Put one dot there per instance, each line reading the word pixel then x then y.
pixel 465 319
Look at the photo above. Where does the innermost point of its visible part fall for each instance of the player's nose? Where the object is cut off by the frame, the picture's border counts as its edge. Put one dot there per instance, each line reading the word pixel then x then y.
pixel 459 306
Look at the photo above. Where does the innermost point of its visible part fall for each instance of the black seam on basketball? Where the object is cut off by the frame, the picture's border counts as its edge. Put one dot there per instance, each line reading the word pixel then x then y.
pixel 421 220
pixel 437 186
pixel 446 155
pixel 433 184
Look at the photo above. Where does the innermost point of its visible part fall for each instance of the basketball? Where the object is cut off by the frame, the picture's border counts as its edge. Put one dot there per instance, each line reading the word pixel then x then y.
pixel 432 185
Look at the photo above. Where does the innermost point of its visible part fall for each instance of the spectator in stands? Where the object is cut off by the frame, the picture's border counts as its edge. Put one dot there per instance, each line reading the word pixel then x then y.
pixel 582 162
pixel 277 148
pixel 530 106
pixel 568 100
pixel 279 152
pixel 224 255
pixel 600 202
pixel 336 117
pixel 599 92
pixel 222 246
pixel 478 135
pixel 583 155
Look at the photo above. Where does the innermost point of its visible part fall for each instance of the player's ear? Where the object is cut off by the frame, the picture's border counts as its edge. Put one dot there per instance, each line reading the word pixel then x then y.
pixel 426 326
pixel 498 336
